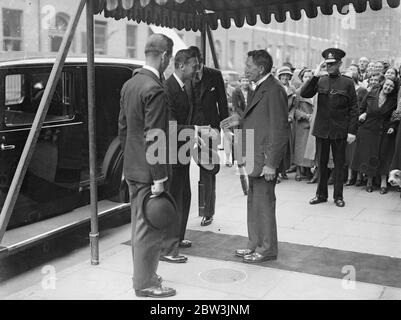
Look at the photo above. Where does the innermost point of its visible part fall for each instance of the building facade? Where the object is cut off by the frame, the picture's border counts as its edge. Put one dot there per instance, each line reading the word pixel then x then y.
pixel 32 28
pixel 377 35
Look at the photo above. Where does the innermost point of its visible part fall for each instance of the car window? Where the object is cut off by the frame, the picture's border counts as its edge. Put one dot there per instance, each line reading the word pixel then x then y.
pixel 14 92
pixel 24 93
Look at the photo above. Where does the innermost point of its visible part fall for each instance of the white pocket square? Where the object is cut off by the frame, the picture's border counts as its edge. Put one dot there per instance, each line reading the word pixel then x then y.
pixel 212 89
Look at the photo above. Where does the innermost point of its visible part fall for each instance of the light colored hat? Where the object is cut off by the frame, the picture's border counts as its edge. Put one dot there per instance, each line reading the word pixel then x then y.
pixel 284 70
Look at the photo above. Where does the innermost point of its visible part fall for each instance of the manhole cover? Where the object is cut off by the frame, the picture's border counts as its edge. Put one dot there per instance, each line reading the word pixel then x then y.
pixel 222 275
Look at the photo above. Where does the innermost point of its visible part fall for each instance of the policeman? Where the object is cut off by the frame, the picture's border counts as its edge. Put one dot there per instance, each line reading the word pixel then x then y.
pixel 335 122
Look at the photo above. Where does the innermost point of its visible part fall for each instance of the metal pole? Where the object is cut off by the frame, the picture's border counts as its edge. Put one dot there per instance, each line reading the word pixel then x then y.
pixel 203 42
pixel 94 234
pixel 30 144
pixel 212 48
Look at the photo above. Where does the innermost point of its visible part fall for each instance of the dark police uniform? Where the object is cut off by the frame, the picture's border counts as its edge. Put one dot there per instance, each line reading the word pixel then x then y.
pixel 336 117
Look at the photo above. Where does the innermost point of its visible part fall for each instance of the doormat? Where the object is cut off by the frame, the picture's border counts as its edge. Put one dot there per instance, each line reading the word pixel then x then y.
pixel 327 262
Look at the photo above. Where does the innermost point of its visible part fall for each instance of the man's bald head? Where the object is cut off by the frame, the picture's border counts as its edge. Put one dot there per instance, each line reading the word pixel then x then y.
pixel 157 44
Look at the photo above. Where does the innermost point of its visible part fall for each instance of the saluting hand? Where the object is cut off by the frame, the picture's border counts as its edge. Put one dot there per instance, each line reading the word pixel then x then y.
pixel 318 70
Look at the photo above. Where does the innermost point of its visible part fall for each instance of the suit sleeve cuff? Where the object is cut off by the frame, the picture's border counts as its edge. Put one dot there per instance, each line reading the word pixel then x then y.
pixel 160 180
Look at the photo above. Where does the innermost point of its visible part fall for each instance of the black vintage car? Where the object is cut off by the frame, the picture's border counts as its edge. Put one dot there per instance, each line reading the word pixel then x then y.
pixel 57 180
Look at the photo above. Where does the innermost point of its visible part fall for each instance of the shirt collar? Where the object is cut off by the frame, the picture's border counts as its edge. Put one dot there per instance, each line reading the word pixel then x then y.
pixel 157 73
pixel 258 83
pixel 179 81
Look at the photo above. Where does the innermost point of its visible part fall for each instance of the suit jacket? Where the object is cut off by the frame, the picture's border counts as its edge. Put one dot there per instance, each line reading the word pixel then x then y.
pixel 181 109
pixel 143 113
pixel 212 97
pixel 337 110
pixel 267 115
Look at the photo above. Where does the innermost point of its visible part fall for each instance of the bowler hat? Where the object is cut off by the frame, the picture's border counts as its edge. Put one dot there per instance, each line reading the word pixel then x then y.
pixel 331 55
pixel 159 212
pixel 207 159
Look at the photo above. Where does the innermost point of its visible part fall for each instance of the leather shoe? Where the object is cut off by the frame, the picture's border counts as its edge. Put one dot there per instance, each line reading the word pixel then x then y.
pixel 206 221
pixel 339 203
pixel 314 178
pixel 298 178
pixel 383 190
pixel 369 189
pixel 284 176
pixel 156 292
pixel 291 169
pixel 176 259
pixel 349 182
pixel 358 183
pixel 317 200
pixel 185 244
pixel 243 252
pixel 257 258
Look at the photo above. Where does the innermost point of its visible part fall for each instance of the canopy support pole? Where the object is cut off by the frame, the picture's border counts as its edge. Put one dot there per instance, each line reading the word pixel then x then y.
pixel 211 45
pixel 203 42
pixel 30 144
pixel 94 234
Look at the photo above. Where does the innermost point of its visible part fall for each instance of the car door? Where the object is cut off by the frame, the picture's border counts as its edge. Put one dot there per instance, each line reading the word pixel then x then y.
pixel 51 183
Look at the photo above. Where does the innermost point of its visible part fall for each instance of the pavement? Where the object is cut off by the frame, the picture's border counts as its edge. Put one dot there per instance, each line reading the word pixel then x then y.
pixel 369 224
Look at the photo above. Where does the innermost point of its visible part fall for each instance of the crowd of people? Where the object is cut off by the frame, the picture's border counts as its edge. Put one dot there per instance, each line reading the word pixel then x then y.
pixel 367 159
pixel 321 119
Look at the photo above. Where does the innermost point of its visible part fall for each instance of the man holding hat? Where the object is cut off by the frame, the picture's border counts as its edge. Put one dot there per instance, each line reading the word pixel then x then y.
pixel 143 115
pixel 335 122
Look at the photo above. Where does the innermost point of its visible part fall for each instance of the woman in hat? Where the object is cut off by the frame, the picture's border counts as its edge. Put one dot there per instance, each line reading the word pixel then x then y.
pixel 284 74
pixel 376 134
pixel 302 118
pixel 350 148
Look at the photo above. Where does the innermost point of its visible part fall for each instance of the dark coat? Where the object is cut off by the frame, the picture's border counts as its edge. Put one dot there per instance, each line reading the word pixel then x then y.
pixel 181 110
pixel 374 147
pixel 143 107
pixel 212 97
pixel 267 116
pixel 337 111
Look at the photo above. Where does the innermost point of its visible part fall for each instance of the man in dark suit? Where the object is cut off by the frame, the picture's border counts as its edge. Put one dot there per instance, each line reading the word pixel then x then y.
pixel 144 114
pixel 182 114
pixel 266 116
pixel 335 122
pixel 210 95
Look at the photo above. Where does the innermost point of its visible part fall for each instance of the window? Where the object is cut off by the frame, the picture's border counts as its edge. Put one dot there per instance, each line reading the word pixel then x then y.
pixel 14 92
pixel 56 33
pixel 100 37
pixel 198 41
pixel 246 50
pixel 12 30
pixel 131 40
pixel 231 60
pixel 218 51
pixel 23 99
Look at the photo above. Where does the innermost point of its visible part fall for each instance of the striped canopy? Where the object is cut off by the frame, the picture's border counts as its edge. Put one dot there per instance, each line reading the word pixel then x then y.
pixel 191 14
